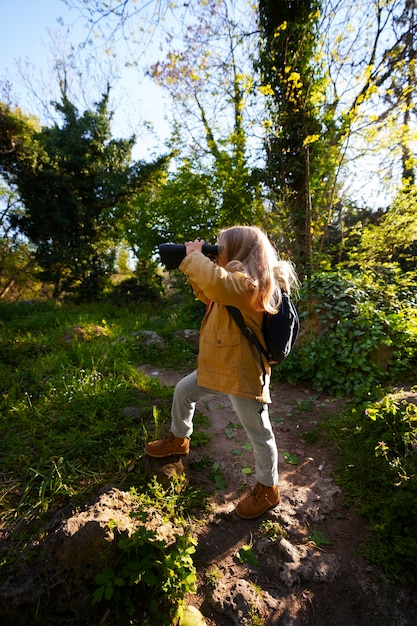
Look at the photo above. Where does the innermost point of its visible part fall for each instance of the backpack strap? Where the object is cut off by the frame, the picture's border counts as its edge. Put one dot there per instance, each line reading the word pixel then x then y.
pixel 250 336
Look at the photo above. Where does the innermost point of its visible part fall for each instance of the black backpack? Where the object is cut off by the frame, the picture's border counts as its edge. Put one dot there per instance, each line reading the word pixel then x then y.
pixel 280 330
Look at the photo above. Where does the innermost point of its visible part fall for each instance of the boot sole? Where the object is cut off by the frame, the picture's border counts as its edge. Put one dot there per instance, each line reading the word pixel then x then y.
pixel 166 456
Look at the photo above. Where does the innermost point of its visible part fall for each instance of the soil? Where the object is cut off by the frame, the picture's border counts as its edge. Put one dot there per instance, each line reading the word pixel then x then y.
pixel 293 581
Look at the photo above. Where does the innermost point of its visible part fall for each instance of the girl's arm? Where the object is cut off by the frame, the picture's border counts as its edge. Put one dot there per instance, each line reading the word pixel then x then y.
pixel 216 283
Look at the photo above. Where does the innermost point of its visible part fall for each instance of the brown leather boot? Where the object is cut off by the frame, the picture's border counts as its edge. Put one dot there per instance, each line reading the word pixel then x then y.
pixel 168 446
pixel 259 500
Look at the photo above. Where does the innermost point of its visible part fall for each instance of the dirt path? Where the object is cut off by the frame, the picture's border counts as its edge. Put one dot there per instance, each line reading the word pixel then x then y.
pixel 293 581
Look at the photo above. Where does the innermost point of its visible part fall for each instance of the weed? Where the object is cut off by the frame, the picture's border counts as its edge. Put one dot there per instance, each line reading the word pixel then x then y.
pixel 378 475
pixel 305 406
pixel 312 436
pixel 177 501
pixel 319 538
pixel 202 463
pixel 213 575
pixel 290 457
pixel 200 439
pixel 246 554
pixel 216 474
pixel 255 618
pixel 272 530
pixel 148 579
pixel 200 420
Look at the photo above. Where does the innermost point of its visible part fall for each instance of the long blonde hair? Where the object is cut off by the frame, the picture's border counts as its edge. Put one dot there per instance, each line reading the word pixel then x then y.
pixel 247 249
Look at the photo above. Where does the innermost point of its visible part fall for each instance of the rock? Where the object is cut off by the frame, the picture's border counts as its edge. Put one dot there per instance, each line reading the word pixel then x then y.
pixel 132 411
pixel 314 505
pixel 164 469
pixel 302 564
pixel 81 333
pixel 70 557
pixel 190 335
pixel 238 600
pixel 149 338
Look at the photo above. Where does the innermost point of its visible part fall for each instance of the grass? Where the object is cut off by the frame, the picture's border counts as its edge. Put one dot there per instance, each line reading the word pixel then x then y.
pixel 378 474
pixel 75 414
pixel 63 427
pixel 65 433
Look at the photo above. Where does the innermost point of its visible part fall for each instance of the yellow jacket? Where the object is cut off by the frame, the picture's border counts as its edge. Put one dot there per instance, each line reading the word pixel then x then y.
pixel 227 361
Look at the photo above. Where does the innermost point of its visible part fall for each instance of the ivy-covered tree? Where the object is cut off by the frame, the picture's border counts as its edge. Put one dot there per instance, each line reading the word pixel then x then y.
pixel 300 156
pixel 73 180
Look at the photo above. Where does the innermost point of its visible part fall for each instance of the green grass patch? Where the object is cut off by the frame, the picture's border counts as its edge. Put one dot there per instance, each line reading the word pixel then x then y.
pixel 378 473
pixel 76 412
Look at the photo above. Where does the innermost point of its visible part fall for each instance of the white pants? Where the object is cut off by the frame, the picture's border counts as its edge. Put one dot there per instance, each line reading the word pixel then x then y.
pixel 253 416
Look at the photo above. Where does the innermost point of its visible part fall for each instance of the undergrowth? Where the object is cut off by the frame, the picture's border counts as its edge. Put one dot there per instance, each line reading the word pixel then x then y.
pixel 359 331
pixel 148 578
pixel 378 473
pixel 70 379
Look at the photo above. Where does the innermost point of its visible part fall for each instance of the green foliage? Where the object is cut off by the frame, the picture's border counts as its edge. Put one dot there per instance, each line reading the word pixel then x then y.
pixel 272 530
pixel 302 150
pixel 290 458
pixel 191 202
pixel 379 474
pixel 393 238
pixel 319 538
pixel 145 286
pixel 148 578
pixel 216 169
pixel 359 331
pixel 396 425
pixel 62 425
pixel 216 474
pixel 65 433
pixel 246 554
pixel 72 180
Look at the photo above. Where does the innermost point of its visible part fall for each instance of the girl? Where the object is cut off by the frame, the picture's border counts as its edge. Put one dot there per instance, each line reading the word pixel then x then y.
pixel 249 276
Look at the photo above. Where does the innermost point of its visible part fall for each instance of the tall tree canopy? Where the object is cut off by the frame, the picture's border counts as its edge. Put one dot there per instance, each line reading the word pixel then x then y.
pixel 338 81
pixel 73 180
pixel 301 160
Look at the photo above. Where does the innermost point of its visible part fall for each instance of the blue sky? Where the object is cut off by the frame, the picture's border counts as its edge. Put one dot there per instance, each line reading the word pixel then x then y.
pixel 24 35
pixel 23 27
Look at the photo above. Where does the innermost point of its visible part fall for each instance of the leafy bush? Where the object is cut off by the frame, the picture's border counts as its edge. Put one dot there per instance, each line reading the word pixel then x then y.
pixel 149 578
pixel 145 286
pixel 131 290
pixel 358 332
pixel 378 441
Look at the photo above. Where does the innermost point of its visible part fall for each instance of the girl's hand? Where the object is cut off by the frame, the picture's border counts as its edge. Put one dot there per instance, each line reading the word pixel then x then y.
pixel 194 246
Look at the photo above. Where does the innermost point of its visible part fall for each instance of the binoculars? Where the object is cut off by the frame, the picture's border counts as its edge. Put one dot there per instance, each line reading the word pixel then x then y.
pixel 173 253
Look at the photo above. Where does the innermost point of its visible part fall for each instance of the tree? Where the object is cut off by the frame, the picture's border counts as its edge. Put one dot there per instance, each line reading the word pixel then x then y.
pixel 72 180
pixel 205 68
pixel 16 259
pixel 301 160
pixel 393 239
pixel 370 50
pixel 397 74
pixel 339 79
pixel 209 80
